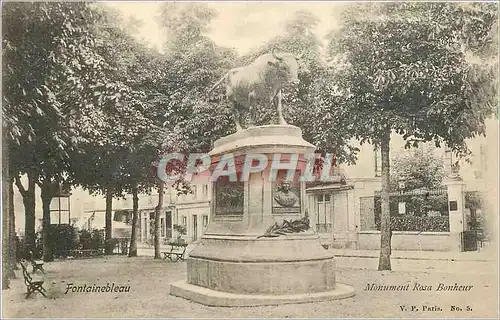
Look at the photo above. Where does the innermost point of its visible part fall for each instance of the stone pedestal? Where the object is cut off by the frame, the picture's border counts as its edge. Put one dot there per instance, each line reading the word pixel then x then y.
pixel 456 210
pixel 236 264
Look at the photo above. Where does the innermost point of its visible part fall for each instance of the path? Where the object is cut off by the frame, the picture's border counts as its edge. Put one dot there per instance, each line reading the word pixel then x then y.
pixel 149 297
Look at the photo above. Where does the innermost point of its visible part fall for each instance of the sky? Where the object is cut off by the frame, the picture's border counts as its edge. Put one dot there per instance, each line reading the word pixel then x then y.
pixel 239 25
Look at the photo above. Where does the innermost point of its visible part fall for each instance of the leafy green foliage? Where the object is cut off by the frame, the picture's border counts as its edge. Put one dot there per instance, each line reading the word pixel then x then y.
pixel 408 67
pixel 51 72
pixel 181 229
pixel 123 140
pixel 91 240
pixel 192 64
pixel 419 168
pixel 46 57
pixel 424 204
pixel 62 237
pixel 473 200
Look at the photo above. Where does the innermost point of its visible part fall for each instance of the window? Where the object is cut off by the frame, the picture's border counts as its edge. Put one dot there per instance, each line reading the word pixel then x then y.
pixel 205 191
pixel 139 225
pixel 205 220
pixel 168 224
pixel 162 227
pixel 195 227
pixel 324 213
pixel 323 198
pixel 195 189
pixel 184 221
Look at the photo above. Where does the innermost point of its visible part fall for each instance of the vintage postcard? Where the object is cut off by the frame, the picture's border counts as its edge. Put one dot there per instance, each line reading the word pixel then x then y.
pixel 250 159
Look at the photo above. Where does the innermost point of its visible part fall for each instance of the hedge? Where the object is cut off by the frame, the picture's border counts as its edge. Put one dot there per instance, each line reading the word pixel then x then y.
pixel 415 223
pixel 65 237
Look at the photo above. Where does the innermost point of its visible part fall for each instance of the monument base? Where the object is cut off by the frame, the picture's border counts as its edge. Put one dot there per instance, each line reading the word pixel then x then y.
pixel 259 250
pixel 215 298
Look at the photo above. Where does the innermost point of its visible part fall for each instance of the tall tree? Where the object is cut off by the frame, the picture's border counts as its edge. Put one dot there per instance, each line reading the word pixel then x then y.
pixel 50 69
pixel 414 69
pixel 122 129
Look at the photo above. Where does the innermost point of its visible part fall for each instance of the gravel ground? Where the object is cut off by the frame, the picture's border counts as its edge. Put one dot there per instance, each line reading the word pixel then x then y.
pixel 149 294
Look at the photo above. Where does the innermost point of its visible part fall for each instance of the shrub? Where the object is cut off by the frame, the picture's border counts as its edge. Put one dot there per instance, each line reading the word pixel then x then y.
pixel 422 224
pixel 113 243
pixel 93 240
pixel 416 205
pixel 180 229
pixel 62 237
pixel 97 239
pixel 85 240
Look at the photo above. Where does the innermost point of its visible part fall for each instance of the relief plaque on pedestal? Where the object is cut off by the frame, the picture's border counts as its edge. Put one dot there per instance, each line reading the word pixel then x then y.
pixel 286 195
pixel 229 197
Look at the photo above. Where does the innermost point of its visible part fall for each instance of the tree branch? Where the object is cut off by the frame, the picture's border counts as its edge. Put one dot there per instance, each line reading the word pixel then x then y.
pixel 20 187
pixel 31 182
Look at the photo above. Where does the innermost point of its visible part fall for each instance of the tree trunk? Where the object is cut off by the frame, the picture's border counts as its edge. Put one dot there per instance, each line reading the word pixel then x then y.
pixel 109 209
pixel 29 223
pixel 6 265
pixel 46 195
pixel 29 212
pixel 12 229
pixel 158 208
pixel 135 213
pixel 6 201
pixel 385 218
pixel 5 251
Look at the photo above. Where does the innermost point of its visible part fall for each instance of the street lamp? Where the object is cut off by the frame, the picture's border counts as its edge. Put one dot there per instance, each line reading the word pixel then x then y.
pixel 401 203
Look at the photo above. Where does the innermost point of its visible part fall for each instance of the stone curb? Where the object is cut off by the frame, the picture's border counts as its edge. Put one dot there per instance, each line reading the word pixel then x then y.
pixel 415 258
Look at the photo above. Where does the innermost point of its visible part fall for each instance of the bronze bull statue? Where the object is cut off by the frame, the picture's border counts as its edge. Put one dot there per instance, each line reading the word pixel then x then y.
pixel 260 82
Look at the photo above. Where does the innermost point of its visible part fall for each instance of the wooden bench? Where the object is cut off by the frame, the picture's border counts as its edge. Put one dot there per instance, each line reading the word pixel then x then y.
pixel 36 264
pixel 32 285
pixel 176 253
